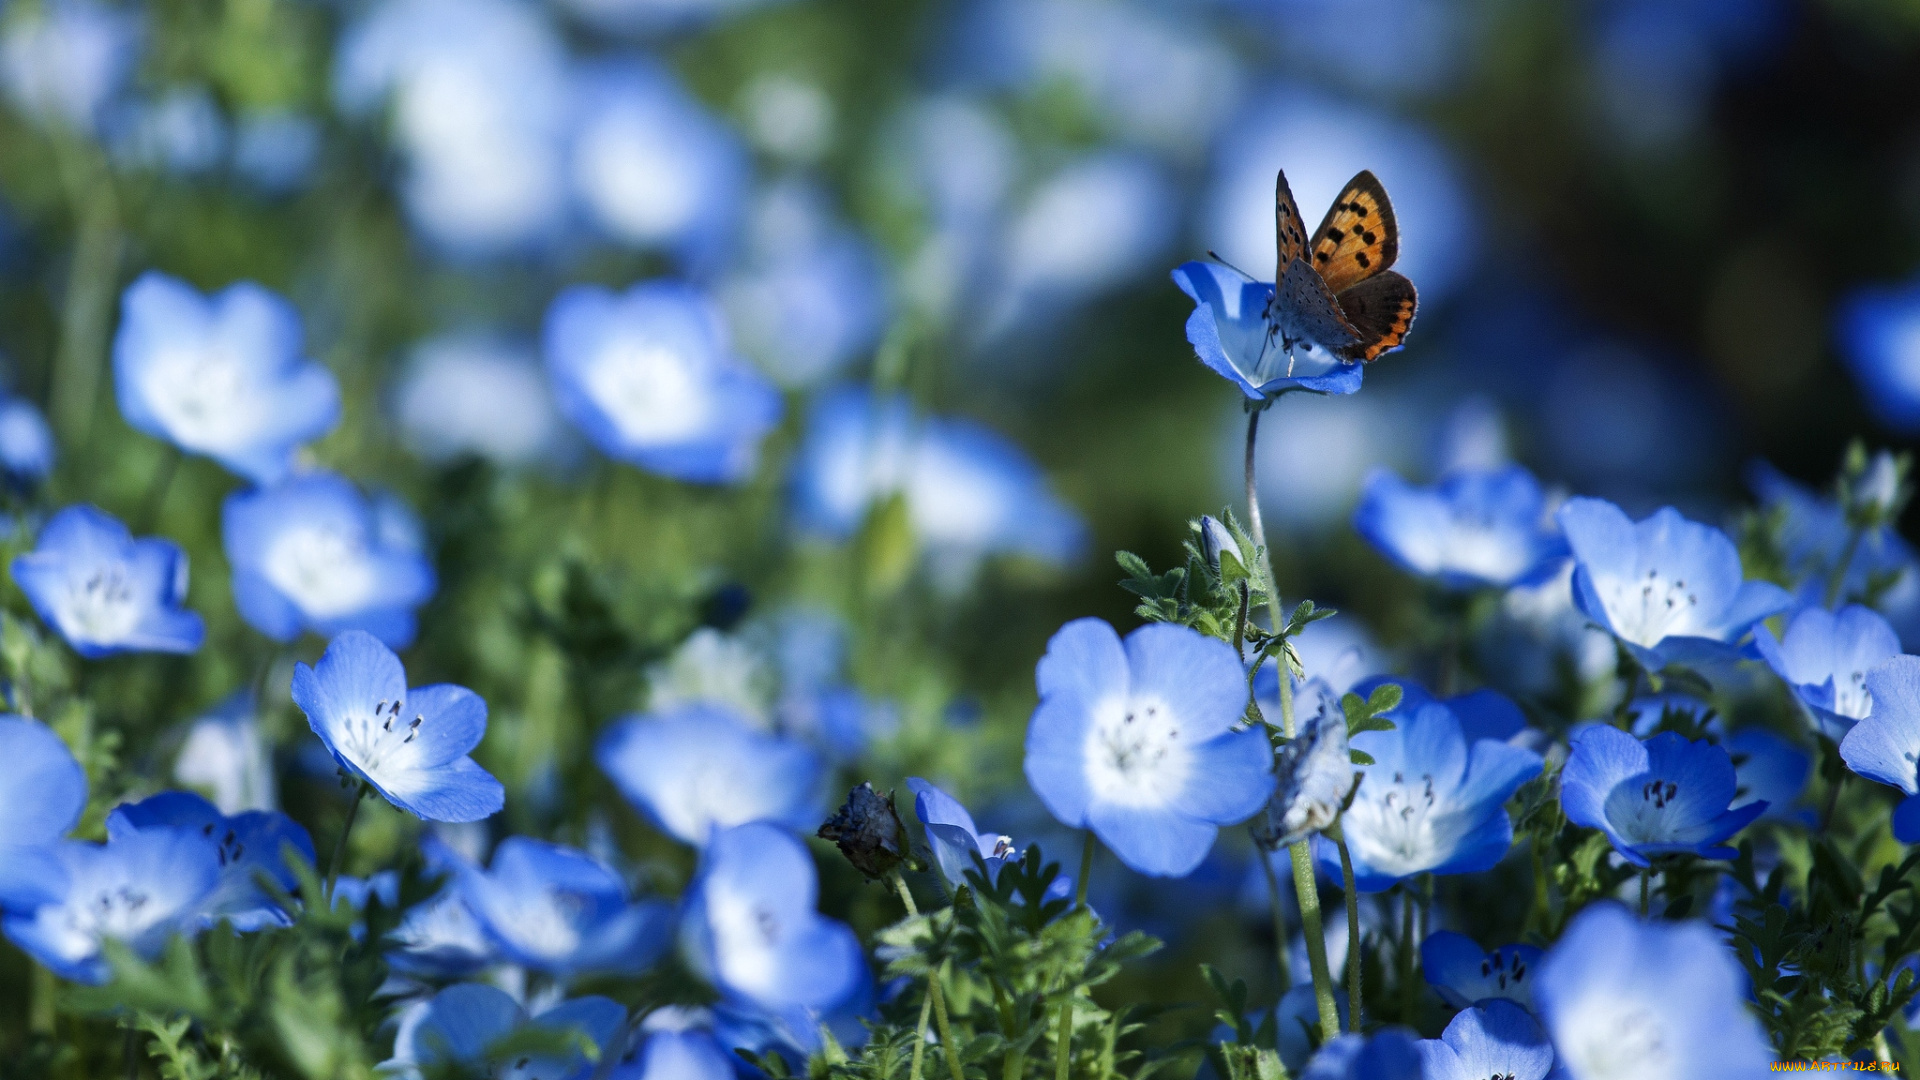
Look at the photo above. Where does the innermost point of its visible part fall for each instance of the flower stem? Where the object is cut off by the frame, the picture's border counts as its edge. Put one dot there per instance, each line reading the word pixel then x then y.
pixel 1063 1041
pixel 920 1038
pixel 340 849
pixel 1837 577
pixel 1086 870
pixel 1353 928
pixel 1279 922
pixel 1259 533
pixel 934 996
pixel 157 489
pixel 1409 992
pixel 1646 881
pixel 87 306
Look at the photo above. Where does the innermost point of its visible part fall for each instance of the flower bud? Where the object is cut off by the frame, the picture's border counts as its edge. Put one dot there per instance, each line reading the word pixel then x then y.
pixel 1313 774
pixel 868 832
pixel 1217 543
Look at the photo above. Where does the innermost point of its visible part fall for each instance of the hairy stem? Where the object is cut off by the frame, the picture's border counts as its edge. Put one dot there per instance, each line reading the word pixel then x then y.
pixel 920 1038
pixel 934 997
pixel 340 848
pixel 1279 922
pixel 1086 870
pixel 1409 991
pixel 1353 928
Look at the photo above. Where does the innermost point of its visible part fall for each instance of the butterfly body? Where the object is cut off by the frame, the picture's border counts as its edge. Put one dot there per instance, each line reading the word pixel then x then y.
pixel 1337 291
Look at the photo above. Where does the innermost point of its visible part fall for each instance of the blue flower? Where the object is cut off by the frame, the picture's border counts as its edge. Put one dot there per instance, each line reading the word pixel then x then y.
pixel 26 442
pixel 1313 772
pixel 221 376
pixel 651 166
pixel 563 912
pixel 1474 529
pixel 1814 535
pixel 465 394
pixel 1771 770
pixel 225 755
pixel 969 491
pixel 1664 796
pixel 1483 713
pixel 247 846
pixel 751 930
pixel 310 554
pixel 1432 801
pixel 649 377
pixel 1497 1038
pixel 698 768
pixel 1880 338
pixel 42 792
pixel 1231 333
pixel 1885 745
pixel 1623 999
pixel 411 746
pixel 1824 659
pixel 105 591
pixel 678 1044
pixel 137 889
pixel 440 938
pixel 274 149
pixel 466 1027
pixel 1668 589
pixel 1464 974
pixel 1138 741
pixel 954 838
pixel 1391 1054
pixel 64 63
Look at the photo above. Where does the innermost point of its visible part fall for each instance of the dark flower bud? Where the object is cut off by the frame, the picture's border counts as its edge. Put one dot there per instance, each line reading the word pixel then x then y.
pixel 868 832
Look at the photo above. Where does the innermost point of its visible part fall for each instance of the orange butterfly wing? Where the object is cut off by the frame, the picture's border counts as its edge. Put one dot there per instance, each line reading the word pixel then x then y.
pixel 1381 312
pixel 1359 237
pixel 1290 232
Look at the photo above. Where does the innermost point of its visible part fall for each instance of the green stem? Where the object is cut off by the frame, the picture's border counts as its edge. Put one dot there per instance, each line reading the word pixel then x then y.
pixel 934 996
pixel 920 1038
pixel 87 306
pixel 157 489
pixel 1646 881
pixel 1259 533
pixel 1409 992
pixel 1086 870
pixel 1353 928
pixel 1837 577
pixel 340 849
pixel 1539 911
pixel 1279 921
pixel 46 987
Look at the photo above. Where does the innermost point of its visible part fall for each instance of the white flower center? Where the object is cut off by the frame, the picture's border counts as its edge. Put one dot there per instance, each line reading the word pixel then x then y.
pixel 747 936
pixel 1615 1040
pixel 1398 825
pixel 101 605
pixel 1655 607
pixel 377 738
pixel 1477 545
pixel 1135 754
pixel 323 571
pixel 1850 696
pixel 205 397
pixel 1642 810
pixel 651 393
pixel 548 923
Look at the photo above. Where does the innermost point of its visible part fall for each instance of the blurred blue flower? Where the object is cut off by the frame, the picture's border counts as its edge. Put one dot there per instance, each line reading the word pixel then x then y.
pixel 105 591
pixel 1666 795
pixel 1497 1038
pixel 649 377
pixel 1880 339
pixel 954 838
pixel 1388 1054
pixel 63 62
pixel 1413 47
pixel 27 448
pixel 136 889
pixel 1668 589
pixel 440 938
pixel 1885 745
pixel 1824 658
pixel 310 554
pixel 411 746
pixel 1623 998
pixel 1322 141
pixel 1433 801
pixel 468 394
pixel 1473 529
pixel 1814 536
pixel 812 294
pixel 1770 770
pixel 1231 333
pixel 658 16
pixel 221 375
pixel 1138 741
pixel 1313 772
pixel 698 768
pixel 42 792
pixel 969 491
pixel 275 149
pixel 563 912
pixel 466 1025
pixel 677 1044
pixel 479 94
pixel 652 167
pixel 181 131
pixel 1464 974
pixel 750 927
pixel 247 846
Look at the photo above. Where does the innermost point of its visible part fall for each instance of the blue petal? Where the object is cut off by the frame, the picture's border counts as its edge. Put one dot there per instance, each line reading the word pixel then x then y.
pixel 1500 1038
pixel 1602 758
pixel 1155 842
pixel 353 675
pixel 1495 771
pixel 1906 820
pixel 457 791
pixel 1198 676
pixel 1232 778
pixel 1884 746
pixel 453 720
pixel 1487 714
pixel 1221 297
pixel 458 1025
pixel 1450 962
pixel 1085 661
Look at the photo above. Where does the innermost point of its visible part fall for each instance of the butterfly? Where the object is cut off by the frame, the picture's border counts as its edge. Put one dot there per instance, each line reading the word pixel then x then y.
pixel 1338 291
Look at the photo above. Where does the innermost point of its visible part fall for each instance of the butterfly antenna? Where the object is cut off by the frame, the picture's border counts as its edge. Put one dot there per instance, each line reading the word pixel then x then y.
pixel 1215 256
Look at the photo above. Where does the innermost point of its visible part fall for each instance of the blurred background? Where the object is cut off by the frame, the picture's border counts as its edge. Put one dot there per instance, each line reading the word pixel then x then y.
pixel 1656 241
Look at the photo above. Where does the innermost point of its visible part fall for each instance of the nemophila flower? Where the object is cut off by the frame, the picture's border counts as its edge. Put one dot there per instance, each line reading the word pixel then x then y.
pixel 26 442
pixel 1629 1000
pixel 1496 1038
pixel 650 165
pixel 676 1044
pixel 1464 974
pixel 954 838
pixel 1814 534
pixel 1432 801
pixel 1880 338
pixel 712 667
pixel 750 927
pixel 649 377
pixel 441 939
pixel 467 394
pixel 698 768
pixel 42 792
pixel 105 591
pixel 310 554
pixel 1667 588
pixel 1824 658
pixel 1483 713
pixel 220 375
pixel 1885 745
pixel 1389 1054
pixel 1231 333
pixel 563 912
pixel 137 889
pixel 246 846
pixel 1768 769
pixel 467 1027
pixel 411 746
pixel 1313 771
pixel 1663 796
pixel 64 62
pixel 1137 741
pixel 1475 528
pixel 225 755
pixel 969 491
